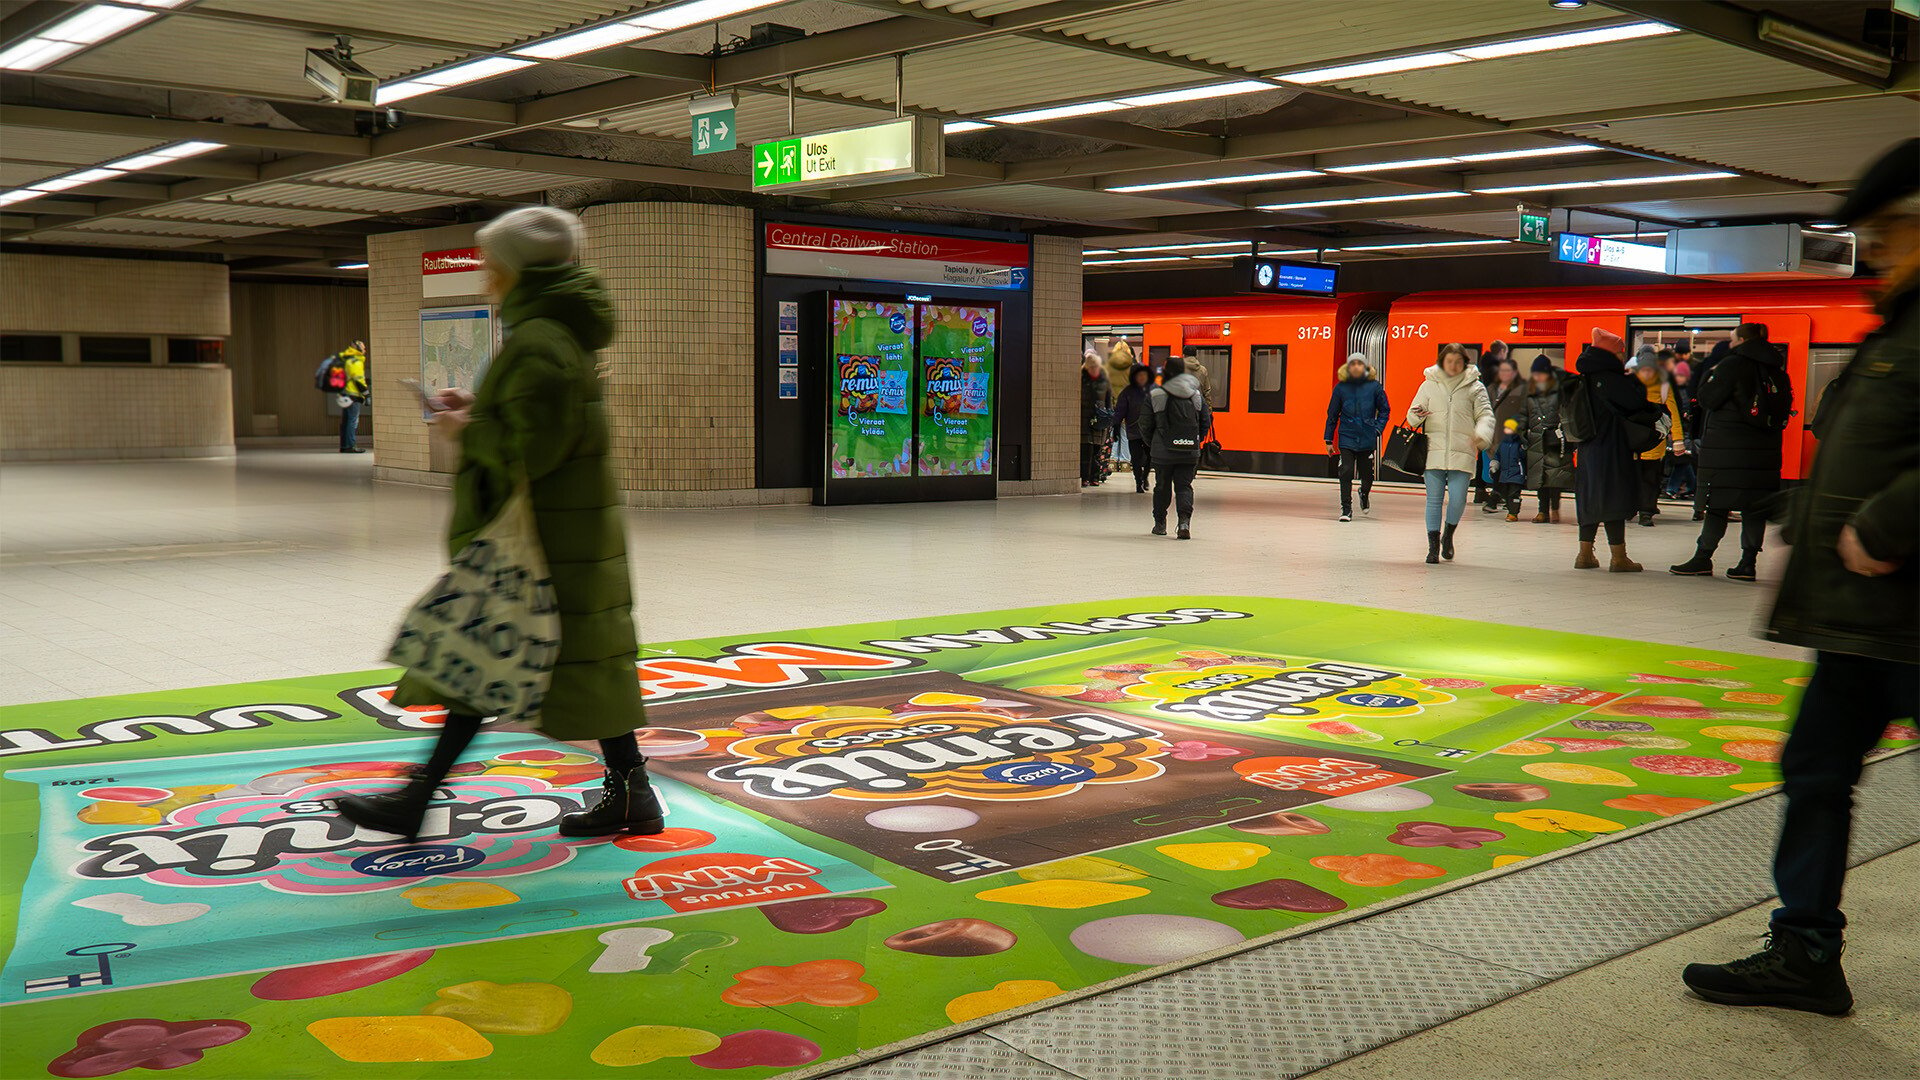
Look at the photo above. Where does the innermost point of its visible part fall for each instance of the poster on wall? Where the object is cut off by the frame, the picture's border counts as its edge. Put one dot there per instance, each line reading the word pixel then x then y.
pixel 957 354
pixel 455 345
pixel 789 384
pixel 872 430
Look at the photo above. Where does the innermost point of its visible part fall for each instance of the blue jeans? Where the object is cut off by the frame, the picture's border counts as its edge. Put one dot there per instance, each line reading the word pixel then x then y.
pixel 1453 483
pixel 350 425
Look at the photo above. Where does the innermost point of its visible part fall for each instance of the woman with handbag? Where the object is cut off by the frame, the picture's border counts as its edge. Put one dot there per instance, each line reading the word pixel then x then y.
pixel 536 419
pixel 1451 407
pixel 1607 479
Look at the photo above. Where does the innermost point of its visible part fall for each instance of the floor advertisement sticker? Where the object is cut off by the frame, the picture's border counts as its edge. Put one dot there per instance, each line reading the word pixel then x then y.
pixel 875 833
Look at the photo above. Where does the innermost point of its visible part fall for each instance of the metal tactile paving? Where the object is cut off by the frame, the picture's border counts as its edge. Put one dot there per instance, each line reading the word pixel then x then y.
pixel 1279 1011
pixel 975 1057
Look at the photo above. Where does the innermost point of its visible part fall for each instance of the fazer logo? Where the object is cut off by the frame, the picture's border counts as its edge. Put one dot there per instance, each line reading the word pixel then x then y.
pixel 1325 775
pixel 723 879
pixel 420 860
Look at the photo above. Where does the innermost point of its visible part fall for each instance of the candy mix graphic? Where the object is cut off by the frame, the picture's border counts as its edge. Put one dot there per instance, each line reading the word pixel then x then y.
pixel 1227 830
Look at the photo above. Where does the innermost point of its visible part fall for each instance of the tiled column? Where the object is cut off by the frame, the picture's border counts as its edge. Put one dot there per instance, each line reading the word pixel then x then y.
pixel 1056 367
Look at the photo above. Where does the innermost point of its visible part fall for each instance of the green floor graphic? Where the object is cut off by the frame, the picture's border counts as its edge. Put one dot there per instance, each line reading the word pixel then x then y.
pixel 874 833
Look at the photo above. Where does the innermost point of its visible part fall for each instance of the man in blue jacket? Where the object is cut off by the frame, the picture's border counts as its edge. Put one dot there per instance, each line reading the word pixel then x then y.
pixel 1359 410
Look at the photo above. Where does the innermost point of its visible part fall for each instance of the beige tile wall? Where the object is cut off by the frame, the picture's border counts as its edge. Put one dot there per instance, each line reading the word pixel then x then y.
pixel 402 450
pixel 62 293
pixel 1056 367
pixel 681 393
pixel 67 412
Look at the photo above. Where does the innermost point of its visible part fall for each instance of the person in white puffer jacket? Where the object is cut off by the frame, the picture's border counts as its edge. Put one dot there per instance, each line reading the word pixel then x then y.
pixel 1452 408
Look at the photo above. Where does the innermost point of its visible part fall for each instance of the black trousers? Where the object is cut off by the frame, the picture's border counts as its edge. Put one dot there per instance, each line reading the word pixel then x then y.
pixel 1354 462
pixel 1847 706
pixel 1616 532
pixel 1652 474
pixel 1142 452
pixel 1173 483
pixel 1090 462
pixel 622 753
pixel 1549 498
pixel 1508 495
pixel 1753 531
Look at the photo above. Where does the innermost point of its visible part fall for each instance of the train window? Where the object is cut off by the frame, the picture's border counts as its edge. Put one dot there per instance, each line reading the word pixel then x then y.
pixel 1703 332
pixel 1268 391
pixel 1824 364
pixel 1524 352
pixel 1157 357
pixel 1218 382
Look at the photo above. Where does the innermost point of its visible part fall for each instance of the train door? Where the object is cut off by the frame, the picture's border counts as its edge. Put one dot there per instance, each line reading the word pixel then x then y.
pixel 1792 334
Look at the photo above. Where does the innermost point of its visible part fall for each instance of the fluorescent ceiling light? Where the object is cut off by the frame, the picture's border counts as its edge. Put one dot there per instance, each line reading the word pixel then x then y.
pixel 581 41
pixel 1366 199
pixel 1057 112
pixel 350 266
pixel 35 53
pixel 1538 151
pixel 165 155
pixel 1241 178
pixel 447 77
pixel 1343 72
pixel 188 149
pixel 8 198
pixel 1155 258
pixel 1187 247
pixel 1623 181
pixel 152 3
pixel 1196 93
pixel 1425 244
pixel 92 25
pixel 58 183
pixel 92 176
pixel 1572 40
pixel 956 127
pixel 1382 166
pixel 699 11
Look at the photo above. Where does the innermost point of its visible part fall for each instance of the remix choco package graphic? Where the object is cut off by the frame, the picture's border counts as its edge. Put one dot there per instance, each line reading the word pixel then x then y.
pixel 179 868
pixel 955 779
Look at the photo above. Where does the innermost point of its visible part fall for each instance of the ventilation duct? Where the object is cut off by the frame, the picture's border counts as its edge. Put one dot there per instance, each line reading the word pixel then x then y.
pixel 1759 253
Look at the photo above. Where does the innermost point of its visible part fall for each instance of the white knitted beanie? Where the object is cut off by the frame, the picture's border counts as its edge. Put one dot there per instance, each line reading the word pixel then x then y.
pixel 531 236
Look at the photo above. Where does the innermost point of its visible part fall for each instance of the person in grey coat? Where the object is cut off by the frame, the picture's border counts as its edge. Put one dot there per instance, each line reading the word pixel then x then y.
pixel 1549 458
pixel 1176 420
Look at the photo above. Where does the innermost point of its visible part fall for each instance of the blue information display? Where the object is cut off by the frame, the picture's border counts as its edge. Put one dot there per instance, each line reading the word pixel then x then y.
pixel 1259 275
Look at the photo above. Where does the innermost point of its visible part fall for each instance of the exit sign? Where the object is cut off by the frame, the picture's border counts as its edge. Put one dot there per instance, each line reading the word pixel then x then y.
pixel 1533 227
pixel 908 148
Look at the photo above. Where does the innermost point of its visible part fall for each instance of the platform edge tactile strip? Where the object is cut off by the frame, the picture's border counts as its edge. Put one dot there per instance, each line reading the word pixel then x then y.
pixel 972 1057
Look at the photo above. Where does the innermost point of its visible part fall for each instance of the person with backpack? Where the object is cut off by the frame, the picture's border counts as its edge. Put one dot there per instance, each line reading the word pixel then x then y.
pixel 1747 401
pixel 1096 420
pixel 344 375
pixel 1848 591
pixel 1128 408
pixel 1176 420
pixel 1359 411
pixel 1605 412
pixel 1451 407
pixel 1549 458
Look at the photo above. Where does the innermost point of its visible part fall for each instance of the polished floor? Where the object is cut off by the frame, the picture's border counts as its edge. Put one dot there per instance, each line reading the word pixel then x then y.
pixel 134 577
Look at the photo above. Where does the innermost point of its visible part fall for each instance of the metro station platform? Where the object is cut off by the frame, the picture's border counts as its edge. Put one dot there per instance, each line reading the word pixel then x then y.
pixel 1553 807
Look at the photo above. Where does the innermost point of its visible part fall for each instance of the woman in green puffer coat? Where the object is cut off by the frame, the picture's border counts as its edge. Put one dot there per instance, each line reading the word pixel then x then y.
pixel 537 412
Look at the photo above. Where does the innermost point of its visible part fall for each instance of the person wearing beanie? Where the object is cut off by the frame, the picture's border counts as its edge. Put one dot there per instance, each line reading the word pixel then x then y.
pixel 1358 412
pixel 1653 461
pixel 1607 482
pixel 1549 458
pixel 1848 591
pixel 536 418
pixel 1740 455
pixel 1682 480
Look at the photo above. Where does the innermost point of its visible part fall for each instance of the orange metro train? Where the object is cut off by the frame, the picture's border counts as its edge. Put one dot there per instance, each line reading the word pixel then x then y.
pixel 1272 362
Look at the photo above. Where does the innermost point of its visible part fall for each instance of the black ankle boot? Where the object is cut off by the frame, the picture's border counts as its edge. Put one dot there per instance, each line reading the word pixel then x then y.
pixel 1433 547
pixel 1745 570
pixel 627 805
pixel 398 812
pixel 1698 566
pixel 1446 542
pixel 1786 974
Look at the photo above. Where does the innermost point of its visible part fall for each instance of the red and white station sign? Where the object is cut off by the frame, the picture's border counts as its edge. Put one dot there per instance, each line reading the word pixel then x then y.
pixel 913 258
pixel 455 272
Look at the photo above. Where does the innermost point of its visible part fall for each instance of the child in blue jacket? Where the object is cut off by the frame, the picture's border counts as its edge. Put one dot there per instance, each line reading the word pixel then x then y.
pixel 1509 467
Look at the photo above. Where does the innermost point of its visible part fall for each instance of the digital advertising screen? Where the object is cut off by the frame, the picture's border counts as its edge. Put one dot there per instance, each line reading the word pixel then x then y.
pixel 957 355
pixel 872 354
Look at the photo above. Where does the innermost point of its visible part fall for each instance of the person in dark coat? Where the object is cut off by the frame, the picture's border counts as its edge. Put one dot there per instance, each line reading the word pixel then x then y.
pixel 1739 459
pixel 1096 420
pixel 1507 393
pixel 1685 477
pixel 1549 458
pixel 1358 411
pixel 537 415
pixel 1128 408
pixel 1851 590
pixel 1177 419
pixel 1607 479
pixel 1488 366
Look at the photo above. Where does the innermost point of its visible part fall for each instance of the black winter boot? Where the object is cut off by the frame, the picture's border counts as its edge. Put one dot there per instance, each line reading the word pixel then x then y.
pixel 1446 542
pixel 627 805
pixel 1160 527
pixel 1698 566
pixel 1786 974
pixel 1183 533
pixel 398 812
pixel 1433 547
pixel 1744 570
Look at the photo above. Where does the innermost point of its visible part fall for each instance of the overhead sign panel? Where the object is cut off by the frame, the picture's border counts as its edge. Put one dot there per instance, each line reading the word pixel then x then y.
pixel 1618 254
pixel 1257 275
pixel 1533 227
pixel 714 127
pixel 912 258
pixel 905 149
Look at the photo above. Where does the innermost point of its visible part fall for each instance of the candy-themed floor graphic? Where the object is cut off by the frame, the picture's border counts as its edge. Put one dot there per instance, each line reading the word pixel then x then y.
pixel 875 832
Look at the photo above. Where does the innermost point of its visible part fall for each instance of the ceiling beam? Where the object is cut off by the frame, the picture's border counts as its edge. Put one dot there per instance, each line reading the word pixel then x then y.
pixel 165 130
pixel 1740 28
pixel 435 105
pixel 553 164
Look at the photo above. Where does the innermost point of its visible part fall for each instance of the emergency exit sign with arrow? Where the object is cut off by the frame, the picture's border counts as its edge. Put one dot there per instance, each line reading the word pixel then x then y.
pixel 713 123
pixel 904 149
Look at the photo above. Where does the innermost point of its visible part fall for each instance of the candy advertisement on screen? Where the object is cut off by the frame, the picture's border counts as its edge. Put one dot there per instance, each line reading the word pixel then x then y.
pixel 957 354
pixel 872 425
